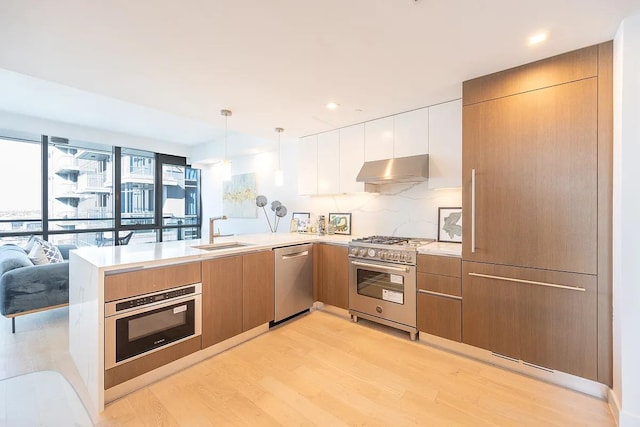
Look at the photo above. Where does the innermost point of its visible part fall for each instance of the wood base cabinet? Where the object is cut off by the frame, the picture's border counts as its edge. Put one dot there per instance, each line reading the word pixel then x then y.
pixel 237 295
pixel 221 299
pixel 439 302
pixel 545 318
pixel 441 316
pixel 258 289
pixel 332 275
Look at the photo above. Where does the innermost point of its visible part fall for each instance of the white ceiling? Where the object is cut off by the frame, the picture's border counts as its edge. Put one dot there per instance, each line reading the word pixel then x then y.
pixel 164 68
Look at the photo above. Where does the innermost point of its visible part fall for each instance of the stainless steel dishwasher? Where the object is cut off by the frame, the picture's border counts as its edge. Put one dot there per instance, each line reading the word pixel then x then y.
pixel 294 280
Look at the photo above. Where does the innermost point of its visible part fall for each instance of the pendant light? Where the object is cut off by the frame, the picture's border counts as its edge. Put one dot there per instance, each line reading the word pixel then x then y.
pixel 226 164
pixel 279 175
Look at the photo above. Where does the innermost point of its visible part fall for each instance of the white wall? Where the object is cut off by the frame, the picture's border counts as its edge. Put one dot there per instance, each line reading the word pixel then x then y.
pixel 264 165
pixel 402 210
pixel 626 213
pixel 38 126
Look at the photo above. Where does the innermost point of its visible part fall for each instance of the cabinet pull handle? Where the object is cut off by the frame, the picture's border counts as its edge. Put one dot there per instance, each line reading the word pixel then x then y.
pixel 438 294
pixel 473 210
pixel 296 255
pixel 529 282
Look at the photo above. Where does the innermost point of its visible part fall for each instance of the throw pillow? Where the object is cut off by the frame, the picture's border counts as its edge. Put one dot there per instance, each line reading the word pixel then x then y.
pixel 32 240
pixel 37 255
pixel 51 251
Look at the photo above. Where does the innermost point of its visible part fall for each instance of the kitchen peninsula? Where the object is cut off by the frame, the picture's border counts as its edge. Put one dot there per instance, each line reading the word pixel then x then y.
pixel 99 275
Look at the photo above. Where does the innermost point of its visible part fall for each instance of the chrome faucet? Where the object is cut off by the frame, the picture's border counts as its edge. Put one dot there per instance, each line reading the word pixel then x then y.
pixel 212 234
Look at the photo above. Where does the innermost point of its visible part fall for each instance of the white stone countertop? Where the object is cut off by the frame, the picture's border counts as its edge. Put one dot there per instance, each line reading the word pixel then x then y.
pixel 149 254
pixel 442 248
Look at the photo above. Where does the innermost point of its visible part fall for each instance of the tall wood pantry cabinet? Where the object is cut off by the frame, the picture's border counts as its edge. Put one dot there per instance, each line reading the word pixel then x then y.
pixel 537 143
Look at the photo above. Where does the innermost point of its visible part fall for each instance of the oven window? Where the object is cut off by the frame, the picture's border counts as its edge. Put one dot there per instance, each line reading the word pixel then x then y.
pixel 382 286
pixel 156 322
pixel 155 328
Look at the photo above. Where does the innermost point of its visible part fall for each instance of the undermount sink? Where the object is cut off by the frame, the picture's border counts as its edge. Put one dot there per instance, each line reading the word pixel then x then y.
pixel 221 246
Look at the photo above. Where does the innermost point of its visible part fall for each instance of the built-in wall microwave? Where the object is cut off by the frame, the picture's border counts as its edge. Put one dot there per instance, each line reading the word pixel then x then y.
pixel 137 326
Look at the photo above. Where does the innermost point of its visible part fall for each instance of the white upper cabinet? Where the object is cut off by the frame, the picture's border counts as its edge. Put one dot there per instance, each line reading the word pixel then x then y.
pixel 378 136
pixel 308 165
pixel 351 158
pixel 445 145
pixel 328 162
pixel 411 133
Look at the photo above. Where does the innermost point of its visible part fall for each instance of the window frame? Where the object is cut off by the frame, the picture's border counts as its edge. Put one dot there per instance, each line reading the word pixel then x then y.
pixel 118 228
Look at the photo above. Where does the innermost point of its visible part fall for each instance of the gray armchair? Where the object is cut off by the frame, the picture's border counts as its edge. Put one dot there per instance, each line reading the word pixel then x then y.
pixel 27 288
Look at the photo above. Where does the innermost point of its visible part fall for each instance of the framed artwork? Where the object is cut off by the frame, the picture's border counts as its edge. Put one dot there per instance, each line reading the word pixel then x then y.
pixel 302 220
pixel 341 222
pixel 450 225
pixel 239 195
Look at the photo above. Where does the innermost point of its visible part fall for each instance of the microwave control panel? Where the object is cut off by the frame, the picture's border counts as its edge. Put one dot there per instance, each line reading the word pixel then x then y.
pixel 153 298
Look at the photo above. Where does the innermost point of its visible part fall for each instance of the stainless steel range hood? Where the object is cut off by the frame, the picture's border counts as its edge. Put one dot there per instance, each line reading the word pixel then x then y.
pixel 396 170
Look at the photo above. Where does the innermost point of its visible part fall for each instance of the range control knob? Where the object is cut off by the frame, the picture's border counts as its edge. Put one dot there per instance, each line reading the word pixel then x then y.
pixel 372 252
pixel 354 251
pixel 362 252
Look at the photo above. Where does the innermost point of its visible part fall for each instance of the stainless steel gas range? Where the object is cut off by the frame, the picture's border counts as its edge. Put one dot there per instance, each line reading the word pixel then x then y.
pixel 382 280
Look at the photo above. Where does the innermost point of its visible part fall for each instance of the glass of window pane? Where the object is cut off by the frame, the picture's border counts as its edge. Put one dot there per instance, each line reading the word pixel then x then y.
pixel 137 187
pixel 20 205
pixel 78 239
pixel 181 233
pixel 140 236
pixel 80 187
pixel 192 203
pixel 180 201
pixel 173 195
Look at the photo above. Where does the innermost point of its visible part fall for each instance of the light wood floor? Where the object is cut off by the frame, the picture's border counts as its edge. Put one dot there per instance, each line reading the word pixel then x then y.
pixel 321 369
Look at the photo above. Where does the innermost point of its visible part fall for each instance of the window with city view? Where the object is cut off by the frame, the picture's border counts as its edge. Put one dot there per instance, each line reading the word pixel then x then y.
pixel 180 197
pixel 80 195
pixel 80 192
pixel 21 189
pixel 137 187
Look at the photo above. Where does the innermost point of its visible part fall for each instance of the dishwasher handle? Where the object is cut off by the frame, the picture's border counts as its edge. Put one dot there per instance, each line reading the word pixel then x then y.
pixel 296 255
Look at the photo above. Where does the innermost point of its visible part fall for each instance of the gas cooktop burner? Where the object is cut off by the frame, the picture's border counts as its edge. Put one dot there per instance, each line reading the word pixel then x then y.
pixel 391 240
pixel 397 250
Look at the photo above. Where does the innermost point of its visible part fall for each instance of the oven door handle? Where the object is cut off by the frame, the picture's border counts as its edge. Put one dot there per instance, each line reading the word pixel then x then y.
pixel 382 267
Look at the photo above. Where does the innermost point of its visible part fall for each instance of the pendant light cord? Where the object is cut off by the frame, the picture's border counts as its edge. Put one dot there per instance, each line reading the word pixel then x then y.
pixel 226 114
pixel 226 119
pixel 279 130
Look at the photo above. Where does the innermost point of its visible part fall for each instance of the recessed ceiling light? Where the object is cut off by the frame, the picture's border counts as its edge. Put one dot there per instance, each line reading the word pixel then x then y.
pixel 537 38
pixel 332 106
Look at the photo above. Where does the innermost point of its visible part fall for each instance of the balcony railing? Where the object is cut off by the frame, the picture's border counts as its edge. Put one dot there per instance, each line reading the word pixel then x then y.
pixel 95 182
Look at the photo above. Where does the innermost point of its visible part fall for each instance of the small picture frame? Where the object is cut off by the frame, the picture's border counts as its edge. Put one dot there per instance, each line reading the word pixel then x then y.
pixel 450 225
pixel 302 220
pixel 341 222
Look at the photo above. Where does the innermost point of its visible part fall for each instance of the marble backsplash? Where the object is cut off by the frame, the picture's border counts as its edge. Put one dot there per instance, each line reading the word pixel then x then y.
pixel 409 210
